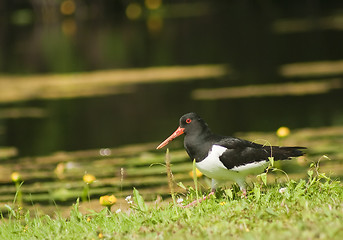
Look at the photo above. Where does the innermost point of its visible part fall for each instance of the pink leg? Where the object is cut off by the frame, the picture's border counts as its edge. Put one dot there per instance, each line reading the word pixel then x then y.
pixel 242 186
pixel 244 193
pixel 197 201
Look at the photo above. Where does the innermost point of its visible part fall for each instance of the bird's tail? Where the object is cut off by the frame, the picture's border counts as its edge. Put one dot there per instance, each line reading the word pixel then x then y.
pixel 282 153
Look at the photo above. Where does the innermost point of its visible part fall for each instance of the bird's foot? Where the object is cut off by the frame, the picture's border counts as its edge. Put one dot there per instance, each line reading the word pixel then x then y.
pixel 244 193
pixel 197 201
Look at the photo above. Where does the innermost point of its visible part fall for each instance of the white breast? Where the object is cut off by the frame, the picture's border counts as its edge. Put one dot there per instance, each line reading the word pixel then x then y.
pixel 211 166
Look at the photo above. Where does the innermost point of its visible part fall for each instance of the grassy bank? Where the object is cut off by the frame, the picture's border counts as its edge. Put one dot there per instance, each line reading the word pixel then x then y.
pixel 304 209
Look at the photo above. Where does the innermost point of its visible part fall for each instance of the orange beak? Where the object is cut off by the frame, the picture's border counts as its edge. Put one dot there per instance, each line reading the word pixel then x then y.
pixel 179 131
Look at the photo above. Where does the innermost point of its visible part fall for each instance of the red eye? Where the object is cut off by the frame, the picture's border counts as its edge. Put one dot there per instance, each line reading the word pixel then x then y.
pixel 188 120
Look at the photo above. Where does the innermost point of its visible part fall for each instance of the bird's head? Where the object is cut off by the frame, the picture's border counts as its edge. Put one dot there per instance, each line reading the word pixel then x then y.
pixel 190 123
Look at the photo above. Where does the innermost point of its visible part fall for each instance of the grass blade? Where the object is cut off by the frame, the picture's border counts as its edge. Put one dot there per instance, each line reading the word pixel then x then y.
pixel 170 176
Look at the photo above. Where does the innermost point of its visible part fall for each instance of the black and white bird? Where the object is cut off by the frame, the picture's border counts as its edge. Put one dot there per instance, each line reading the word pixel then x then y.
pixel 223 158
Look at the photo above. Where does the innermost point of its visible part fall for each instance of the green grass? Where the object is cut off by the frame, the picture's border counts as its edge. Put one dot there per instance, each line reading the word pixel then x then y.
pixel 304 209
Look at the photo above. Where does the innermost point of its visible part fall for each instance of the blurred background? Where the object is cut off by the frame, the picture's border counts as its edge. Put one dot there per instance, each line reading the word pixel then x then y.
pixel 239 43
pixel 81 74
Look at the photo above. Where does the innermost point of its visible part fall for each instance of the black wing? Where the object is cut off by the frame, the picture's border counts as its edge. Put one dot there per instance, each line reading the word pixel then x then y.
pixel 240 152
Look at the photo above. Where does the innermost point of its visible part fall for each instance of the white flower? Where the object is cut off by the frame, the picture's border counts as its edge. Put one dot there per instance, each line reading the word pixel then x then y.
pixel 118 210
pixel 128 199
pixel 282 190
pixel 179 200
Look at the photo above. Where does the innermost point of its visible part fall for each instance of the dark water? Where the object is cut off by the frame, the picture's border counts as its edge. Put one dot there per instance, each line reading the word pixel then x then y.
pixel 237 33
pixel 152 113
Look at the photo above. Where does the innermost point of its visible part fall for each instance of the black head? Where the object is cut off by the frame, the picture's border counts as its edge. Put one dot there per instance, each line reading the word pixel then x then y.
pixel 190 124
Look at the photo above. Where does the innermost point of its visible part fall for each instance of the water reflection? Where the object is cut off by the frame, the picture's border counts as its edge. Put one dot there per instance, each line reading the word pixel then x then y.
pixel 148 113
pixel 98 83
pixel 263 90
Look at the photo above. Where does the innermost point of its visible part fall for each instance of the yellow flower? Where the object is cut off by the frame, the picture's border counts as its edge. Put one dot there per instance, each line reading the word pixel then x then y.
pixel 88 178
pixel 222 203
pixel 283 132
pixel 107 200
pixel 100 235
pixel 197 172
pixel 15 176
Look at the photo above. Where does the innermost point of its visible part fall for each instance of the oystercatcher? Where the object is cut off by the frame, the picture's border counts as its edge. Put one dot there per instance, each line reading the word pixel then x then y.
pixel 225 158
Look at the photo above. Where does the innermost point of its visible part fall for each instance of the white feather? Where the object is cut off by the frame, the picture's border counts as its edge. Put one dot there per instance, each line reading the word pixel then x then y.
pixel 213 168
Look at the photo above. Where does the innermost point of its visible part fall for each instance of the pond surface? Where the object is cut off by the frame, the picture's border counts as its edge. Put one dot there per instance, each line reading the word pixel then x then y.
pixel 152 112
